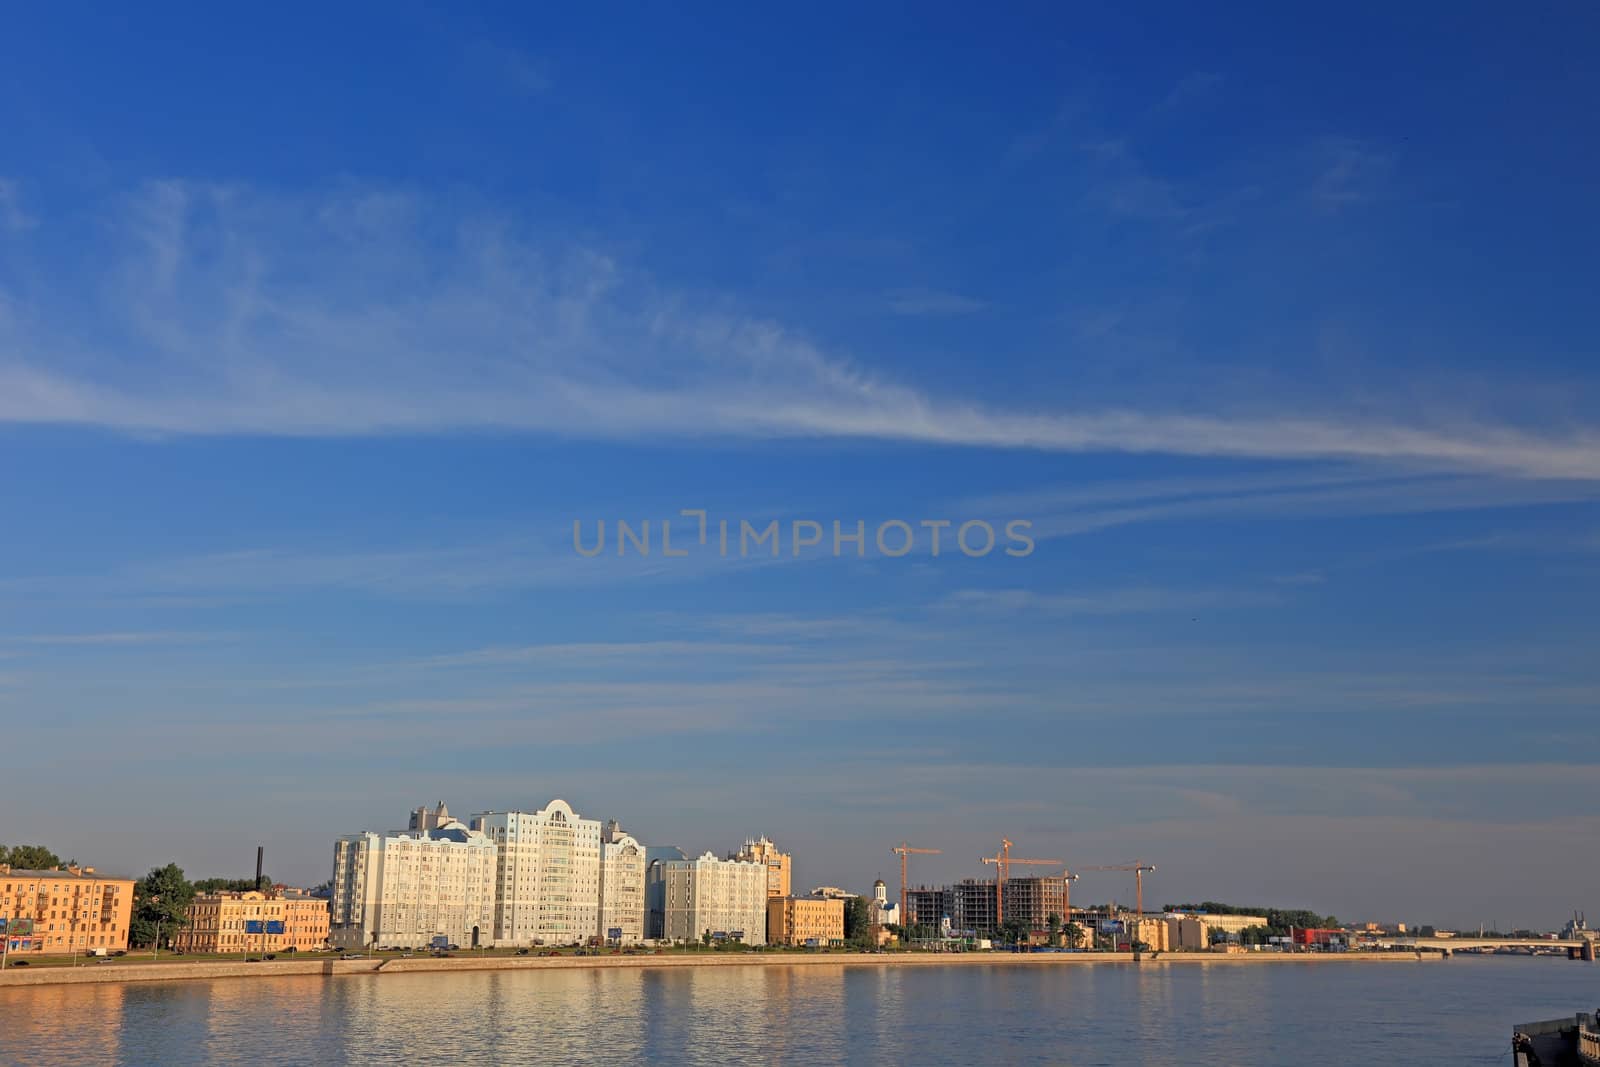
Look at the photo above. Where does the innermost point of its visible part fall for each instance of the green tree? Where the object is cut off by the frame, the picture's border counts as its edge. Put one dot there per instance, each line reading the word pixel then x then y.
pixel 1254 935
pixel 1074 935
pixel 29 857
pixel 1013 931
pixel 705 938
pixel 858 922
pixel 160 903
pixel 1054 922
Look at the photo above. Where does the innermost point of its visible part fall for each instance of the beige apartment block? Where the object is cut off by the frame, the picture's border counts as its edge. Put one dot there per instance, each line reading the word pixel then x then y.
pixel 64 909
pixel 814 920
pixel 221 922
pixel 621 885
pixel 726 898
pixel 547 879
pixel 406 890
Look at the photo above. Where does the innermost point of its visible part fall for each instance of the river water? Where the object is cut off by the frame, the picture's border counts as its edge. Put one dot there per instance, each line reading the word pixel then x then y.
pixel 1452 1012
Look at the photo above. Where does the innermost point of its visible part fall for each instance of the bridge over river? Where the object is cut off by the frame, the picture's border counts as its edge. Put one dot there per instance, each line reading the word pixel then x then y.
pixel 1584 947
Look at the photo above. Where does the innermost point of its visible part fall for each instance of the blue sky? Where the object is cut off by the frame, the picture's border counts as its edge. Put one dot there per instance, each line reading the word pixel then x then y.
pixel 319 331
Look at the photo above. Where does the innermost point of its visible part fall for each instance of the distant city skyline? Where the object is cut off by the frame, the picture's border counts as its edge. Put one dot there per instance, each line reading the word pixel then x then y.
pixel 314 348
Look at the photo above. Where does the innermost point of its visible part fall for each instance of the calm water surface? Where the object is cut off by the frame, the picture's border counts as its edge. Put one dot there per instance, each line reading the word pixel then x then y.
pixel 1454 1012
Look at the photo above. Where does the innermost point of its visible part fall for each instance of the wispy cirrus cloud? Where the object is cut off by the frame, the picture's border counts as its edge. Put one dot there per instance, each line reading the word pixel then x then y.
pixel 1350 172
pixel 227 311
pixel 132 637
pixel 12 215
pixel 932 302
pixel 1133 600
pixel 1304 492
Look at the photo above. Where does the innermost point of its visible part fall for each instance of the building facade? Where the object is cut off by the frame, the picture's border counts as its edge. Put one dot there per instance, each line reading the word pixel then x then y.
pixel 404 890
pixel 1154 934
pixel 1033 900
pixel 64 909
pixel 227 922
pixel 726 898
pixel 929 909
pixel 1228 924
pixel 622 886
pixel 423 820
pixel 1186 934
pixel 813 920
pixel 974 907
pixel 655 888
pixel 777 863
pixel 547 875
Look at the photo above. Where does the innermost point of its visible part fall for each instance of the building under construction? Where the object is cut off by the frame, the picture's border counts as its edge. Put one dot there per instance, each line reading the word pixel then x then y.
pixel 969 904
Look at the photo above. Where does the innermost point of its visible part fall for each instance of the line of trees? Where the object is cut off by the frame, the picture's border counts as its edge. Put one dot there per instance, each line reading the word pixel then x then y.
pixel 31 857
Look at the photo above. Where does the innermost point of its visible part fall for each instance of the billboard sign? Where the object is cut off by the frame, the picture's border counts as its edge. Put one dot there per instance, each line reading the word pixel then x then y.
pixel 16 927
pixel 254 926
pixel 614 933
pixel 274 926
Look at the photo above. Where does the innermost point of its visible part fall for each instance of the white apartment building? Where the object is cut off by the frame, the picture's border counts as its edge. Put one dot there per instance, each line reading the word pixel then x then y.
pixel 547 875
pixel 405 889
pixel 621 884
pixel 727 897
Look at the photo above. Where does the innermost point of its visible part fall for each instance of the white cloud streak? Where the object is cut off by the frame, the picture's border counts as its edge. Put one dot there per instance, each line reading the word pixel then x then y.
pixel 228 312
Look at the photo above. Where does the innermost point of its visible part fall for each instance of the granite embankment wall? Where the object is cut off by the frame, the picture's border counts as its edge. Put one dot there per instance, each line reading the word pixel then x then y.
pixel 123 971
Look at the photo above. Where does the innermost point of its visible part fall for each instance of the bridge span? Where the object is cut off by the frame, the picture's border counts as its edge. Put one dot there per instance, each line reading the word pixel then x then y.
pixel 1457 944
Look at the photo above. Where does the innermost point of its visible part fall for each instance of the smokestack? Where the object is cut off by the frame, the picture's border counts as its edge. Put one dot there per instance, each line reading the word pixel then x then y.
pixel 260 851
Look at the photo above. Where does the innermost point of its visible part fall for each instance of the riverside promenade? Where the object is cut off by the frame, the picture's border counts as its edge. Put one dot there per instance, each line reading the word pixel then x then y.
pixel 120 971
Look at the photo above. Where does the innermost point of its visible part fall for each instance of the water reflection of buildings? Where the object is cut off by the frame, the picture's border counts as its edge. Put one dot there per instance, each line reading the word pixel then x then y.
pixel 78 1024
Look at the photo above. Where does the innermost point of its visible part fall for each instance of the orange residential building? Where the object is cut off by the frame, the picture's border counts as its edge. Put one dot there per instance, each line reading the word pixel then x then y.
pixel 64 909
pixel 221 923
pixel 805 920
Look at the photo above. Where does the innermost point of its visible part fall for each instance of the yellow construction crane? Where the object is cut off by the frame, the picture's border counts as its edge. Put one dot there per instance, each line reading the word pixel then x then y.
pixel 904 849
pixel 1138 870
pixel 1002 871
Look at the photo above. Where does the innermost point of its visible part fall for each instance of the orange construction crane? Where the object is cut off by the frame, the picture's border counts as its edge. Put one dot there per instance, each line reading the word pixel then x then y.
pixel 903 849
pixel 1138 870
pixel 1002 871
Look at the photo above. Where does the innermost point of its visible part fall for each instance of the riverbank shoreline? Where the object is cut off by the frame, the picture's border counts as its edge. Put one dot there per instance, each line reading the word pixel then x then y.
pixel 99 974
